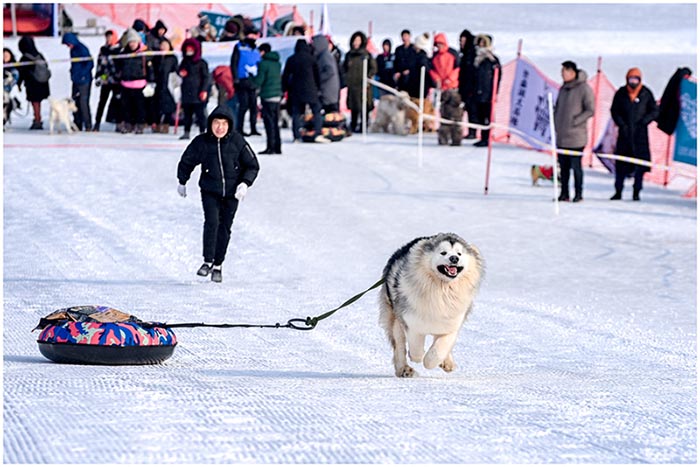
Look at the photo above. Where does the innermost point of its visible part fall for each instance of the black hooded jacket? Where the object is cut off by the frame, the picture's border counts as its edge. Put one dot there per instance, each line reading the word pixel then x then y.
pixel 300 77
pixel 467 70
pixel 226 162
pixel 36 91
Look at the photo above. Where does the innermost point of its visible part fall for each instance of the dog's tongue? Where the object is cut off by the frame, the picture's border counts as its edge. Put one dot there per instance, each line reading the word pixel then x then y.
pixel 452 270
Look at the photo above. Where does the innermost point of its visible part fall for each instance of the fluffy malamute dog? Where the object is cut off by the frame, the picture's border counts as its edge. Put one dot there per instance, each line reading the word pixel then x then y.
pixel 60 113
pixel 430 285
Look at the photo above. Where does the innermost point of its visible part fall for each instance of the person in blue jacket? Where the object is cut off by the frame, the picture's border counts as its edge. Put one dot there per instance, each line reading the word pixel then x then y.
pixel 81 76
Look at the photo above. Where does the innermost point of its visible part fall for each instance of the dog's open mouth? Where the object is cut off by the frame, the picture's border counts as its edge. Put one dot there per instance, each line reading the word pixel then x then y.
pixel 449 271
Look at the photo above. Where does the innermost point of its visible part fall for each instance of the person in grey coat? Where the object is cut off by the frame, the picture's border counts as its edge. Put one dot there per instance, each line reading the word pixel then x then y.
pixel 329 78
pixel 575 105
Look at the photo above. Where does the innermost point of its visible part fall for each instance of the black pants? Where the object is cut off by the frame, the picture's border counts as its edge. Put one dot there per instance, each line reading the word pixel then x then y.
pixel 105 91
pixel 133 107
pixel 297 112
pixel 198 111
pixel 356 120
pixel 247 102
pixel 81 96
pixel 623 169
pixel 271 119
pixel 483 116
pixel 567 163
pixel 218 218
pixel 151 104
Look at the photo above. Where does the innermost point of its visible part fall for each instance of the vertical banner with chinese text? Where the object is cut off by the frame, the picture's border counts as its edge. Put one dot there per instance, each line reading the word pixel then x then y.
pixel 528 109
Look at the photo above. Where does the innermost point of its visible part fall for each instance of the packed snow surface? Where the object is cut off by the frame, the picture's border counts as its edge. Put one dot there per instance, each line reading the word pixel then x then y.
pixel 581 347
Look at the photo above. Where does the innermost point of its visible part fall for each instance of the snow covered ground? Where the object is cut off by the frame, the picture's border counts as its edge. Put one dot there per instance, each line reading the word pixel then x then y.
pixel 581 347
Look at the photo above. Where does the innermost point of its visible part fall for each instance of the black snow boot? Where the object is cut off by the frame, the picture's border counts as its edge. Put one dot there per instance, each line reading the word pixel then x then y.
pixel 635 195
pixel 216 274
pixel 204 269
pixel 616 196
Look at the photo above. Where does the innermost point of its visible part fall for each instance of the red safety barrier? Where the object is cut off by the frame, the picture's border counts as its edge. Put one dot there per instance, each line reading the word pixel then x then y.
pixel 660 144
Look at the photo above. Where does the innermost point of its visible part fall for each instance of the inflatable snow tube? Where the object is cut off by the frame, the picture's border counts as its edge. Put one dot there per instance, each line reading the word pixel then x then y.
pixel 100 335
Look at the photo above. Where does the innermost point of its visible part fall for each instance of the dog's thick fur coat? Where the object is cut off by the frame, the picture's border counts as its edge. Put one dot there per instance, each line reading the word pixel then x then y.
pixel 429 289
pixel 61 110
pixel 451 109
pixel 391 115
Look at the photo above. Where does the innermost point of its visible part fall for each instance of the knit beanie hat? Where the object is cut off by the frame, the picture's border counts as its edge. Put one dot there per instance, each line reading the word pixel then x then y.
pixel 423 43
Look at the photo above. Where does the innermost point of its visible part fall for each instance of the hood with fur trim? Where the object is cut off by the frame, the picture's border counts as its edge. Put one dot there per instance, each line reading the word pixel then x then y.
pixel 363 39
pixel 196 45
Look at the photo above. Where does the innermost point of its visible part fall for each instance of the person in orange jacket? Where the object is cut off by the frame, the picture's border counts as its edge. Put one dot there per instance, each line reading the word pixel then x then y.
pixel 445 70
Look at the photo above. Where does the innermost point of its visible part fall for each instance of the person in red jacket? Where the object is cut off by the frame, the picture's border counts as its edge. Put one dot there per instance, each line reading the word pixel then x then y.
pixel 445 70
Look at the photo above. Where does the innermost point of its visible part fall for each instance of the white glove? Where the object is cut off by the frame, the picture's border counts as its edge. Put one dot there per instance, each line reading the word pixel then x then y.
pixel 182 190
pixel 149 90
pixel 241 191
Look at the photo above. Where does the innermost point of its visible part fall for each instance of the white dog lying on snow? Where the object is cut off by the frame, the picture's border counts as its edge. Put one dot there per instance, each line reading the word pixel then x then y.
pixel 61 111
pixel 430 285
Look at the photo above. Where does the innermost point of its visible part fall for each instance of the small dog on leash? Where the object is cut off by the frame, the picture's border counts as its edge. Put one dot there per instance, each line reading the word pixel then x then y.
pixel 451 108
pixel 61 111
pixel 430 285
pixel 542 172
pixel 413 116
pixel 391 115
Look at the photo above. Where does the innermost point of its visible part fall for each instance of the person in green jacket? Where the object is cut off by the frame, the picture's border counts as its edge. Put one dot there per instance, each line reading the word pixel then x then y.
pixel 269 81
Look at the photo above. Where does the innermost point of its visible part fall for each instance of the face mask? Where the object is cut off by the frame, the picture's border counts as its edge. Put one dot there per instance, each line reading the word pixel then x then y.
pixel 189 53
pixel 633 83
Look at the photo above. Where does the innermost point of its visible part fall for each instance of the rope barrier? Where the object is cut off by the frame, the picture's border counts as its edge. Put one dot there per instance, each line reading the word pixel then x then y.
pixel 148 53
pixel 516 131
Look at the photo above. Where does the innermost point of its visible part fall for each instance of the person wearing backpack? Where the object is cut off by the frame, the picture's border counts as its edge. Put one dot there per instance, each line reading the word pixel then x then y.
pixel 244 66
pixel 35 77
pixel 81 76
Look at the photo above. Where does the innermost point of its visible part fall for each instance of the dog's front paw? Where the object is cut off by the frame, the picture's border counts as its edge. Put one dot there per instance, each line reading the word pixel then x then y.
pixel 406 372
pixel 448 365
pixel 431 359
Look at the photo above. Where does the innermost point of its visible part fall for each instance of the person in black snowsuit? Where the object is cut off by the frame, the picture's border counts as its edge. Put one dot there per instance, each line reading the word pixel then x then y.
pixel 404 61
pixel 165 100
pixel 467 78
pixel 134 73
pixel 37 91
pixel 420 60
pixel 300 80
pixel 105 74
pixel 486 63
pixel 156 35
pixel 195 84
pixel 633 109
pixel 154 38
pixel 385 66
pixel 229 168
